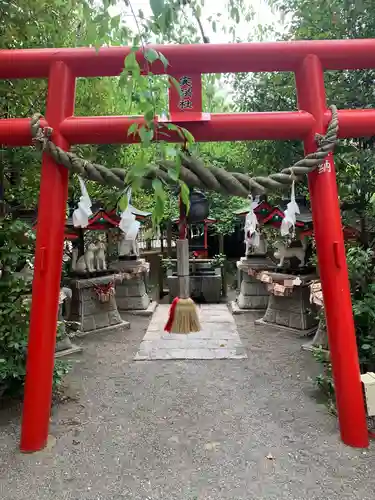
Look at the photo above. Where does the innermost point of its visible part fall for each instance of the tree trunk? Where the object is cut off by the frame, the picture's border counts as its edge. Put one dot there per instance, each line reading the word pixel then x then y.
pixel 221 243
pixel 364 236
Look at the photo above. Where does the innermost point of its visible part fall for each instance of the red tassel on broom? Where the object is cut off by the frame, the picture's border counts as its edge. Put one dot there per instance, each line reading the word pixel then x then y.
pixel 183 316
pixel 168 326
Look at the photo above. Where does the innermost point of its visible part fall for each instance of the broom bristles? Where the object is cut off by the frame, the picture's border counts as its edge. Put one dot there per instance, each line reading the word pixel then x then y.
pixel 185 317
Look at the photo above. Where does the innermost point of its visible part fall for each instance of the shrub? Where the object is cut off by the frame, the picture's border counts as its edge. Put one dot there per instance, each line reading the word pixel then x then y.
pixel 16 249
pixel 361 270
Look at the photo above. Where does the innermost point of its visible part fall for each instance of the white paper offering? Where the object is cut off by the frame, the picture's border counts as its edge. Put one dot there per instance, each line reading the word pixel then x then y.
pixel 128 223
pixel 83 212
pixel 289 220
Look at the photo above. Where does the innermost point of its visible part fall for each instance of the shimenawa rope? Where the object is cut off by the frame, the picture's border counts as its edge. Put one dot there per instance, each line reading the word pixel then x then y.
pixel 193 172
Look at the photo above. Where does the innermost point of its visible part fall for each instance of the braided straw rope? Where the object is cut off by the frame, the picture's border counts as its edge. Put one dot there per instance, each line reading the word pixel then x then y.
pixel 193 172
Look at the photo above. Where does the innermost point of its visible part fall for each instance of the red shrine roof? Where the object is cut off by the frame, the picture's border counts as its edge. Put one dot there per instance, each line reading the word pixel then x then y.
pixel 273 215
pixel 101 220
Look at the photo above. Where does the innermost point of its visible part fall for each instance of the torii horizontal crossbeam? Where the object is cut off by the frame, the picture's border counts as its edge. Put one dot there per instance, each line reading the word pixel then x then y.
pixel 206 58
pixel 288 125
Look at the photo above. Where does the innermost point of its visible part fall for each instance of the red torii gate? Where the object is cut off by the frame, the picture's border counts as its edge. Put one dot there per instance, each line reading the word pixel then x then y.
pixel 308 60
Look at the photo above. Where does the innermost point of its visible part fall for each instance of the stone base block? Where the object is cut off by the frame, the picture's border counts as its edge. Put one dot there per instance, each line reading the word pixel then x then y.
pixel 211 289
pixel 108 329
pixel 131 295
pixel 309 346
pixel 260 262
pixel 143 312
pixel 256 302
pixel 130 288
pixel 319 342
pixel 126 304
pixel 236 309
pixel 206 287
pixel 253 293
pixel 300 333
pixel 63 343
pixel 100 320
pixel 73 349
pixel 321 337
pixel 293 312
pixel 129 266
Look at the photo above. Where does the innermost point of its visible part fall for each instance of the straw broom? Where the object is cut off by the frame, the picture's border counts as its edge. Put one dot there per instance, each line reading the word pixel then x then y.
pixel 183 316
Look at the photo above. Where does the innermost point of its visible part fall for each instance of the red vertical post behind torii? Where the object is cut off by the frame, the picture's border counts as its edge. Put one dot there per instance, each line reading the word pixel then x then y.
pixel 307 59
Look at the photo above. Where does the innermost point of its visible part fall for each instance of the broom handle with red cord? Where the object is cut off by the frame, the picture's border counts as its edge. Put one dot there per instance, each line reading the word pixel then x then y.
pixel 183 254
pixel 183 222
pixel 182 248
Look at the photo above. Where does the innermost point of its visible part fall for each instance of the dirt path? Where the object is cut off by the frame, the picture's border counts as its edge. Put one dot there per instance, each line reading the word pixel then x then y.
pixel 179 430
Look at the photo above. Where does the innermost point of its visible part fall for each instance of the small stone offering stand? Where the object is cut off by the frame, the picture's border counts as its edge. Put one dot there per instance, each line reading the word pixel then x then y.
pixel 320 340
pixel 131 271
pixel 94 305
pixel 289 302
pixel 104 281
pixel 289 305
pixel 131 286
pixel 64 345
pixel 253 294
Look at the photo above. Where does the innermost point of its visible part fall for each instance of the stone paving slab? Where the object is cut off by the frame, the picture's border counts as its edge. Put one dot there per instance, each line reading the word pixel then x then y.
pixel 74 349
pixel 218 338
pixel 299 333
pixel 236 309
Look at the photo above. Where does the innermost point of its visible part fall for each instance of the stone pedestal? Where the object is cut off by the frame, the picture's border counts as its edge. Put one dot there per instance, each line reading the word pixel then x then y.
pixel 87 310
pixel 293 310
pixel 64 346
pixel 253 294
pixel 320 340
pixel 204 282
pixel 210 286
pixel 131 292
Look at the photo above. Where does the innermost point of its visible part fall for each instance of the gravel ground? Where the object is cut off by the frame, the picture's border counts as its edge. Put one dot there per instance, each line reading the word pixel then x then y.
pixel 188 430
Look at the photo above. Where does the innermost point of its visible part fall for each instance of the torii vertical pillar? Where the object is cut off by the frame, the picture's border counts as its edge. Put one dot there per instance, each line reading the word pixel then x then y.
pixel 332 266
pixel 47 269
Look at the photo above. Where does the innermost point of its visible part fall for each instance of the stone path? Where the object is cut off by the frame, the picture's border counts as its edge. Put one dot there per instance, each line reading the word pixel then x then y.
pixel 218 338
